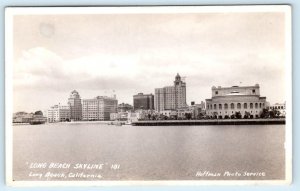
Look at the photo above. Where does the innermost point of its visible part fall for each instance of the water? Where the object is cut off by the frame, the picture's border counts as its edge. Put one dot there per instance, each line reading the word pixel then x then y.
pixel 150 153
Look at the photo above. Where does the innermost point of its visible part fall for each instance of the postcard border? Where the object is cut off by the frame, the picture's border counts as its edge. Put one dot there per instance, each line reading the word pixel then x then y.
pixel 10 12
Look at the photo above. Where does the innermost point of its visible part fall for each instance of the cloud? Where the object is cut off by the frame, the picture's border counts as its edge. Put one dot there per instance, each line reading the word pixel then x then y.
pixel 95 54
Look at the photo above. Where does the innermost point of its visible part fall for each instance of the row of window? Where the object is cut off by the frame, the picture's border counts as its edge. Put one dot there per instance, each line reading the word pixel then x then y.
pixel 232 112
pixel 238 106
pixel 276 107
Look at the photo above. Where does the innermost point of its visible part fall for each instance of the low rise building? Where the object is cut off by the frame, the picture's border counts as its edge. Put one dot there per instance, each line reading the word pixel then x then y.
pixel 22 117
pixel 168 113
pixel 124 107
pixel 227 102
pixel 197 110
pixel 120 116
pixel 58 113
pixel 279 107
pixel 136 116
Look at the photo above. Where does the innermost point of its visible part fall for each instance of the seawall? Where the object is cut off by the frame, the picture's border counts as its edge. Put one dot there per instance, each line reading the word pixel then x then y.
pixel 211 122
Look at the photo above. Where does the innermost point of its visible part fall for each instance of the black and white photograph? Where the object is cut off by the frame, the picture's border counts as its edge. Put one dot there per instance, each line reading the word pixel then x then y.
pixel 148 95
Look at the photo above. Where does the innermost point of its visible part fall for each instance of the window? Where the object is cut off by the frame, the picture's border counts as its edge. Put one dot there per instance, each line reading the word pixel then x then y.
pixel 245 105
pixel 256 105
pixel 220 106
pixel 216 92
pixel 232 106
pixel 251 105
pixel 239 106
pixel 225 106
pixel 253 91
pixel 259 105
pixel 215 106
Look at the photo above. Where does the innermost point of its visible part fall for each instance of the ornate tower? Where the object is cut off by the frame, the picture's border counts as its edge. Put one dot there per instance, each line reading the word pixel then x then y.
pixel 180 92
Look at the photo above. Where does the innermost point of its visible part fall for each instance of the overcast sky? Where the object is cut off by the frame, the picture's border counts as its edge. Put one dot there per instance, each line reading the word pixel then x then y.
pixel 96 54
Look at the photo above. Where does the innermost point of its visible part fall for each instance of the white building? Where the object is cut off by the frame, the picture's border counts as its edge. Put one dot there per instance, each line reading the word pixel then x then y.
pixel 135 116
pixel 58 113
pixel 120 116
pixel 226 101
pixel 279 107
pixel 99 108
pixel 168 113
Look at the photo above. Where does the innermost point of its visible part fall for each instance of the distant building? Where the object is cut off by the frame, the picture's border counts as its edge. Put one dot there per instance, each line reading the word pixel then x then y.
pixel 120 116
pixel 171 97
pixel 168 113
pixel 74 103
pixel 279 107
pixel 183 112
pixel 38 118
pixel 137 115
pixel 143 101
pixel 58 113
pixel 22 117
pixel 226 101
pixel 99 108
pixel 197 110
pixel 124 107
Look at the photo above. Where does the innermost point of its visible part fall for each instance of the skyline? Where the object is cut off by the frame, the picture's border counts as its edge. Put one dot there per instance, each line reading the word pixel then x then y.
pixel 113 96
pixel 134 53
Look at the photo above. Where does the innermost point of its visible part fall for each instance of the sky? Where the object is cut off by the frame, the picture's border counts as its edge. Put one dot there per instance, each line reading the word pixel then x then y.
pixel 125 54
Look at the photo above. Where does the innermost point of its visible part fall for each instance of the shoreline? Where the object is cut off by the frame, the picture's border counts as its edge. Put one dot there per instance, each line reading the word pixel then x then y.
pixel 211 122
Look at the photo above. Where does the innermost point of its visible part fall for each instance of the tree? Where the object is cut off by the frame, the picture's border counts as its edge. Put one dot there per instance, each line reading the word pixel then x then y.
pixel 247 115
pixel 200 116
pixel 274 113
pixel 215 115
pixel 38 113
pixel 265 113
pixel 188 116
pixel 238 115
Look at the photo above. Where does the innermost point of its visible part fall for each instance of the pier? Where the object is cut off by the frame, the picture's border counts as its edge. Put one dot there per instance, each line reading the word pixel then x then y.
pixel 211 122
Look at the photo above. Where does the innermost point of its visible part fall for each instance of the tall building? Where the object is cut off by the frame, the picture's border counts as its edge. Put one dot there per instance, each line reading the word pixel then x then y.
pixel 171 97
pixel 226 101
pixel 75 106
pixel 143 101
pixel 99 108
pixel 58 113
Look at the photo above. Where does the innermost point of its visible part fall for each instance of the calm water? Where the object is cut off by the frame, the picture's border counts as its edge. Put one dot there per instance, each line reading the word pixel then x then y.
pixel 149 153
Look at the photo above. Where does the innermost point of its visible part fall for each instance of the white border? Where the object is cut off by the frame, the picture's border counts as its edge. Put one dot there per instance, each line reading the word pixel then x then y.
pixel 11 11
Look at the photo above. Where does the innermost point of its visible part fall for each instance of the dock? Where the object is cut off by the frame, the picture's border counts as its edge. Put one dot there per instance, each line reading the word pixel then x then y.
pixel 210 122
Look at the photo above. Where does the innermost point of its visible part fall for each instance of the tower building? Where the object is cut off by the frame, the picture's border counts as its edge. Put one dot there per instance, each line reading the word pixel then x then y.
pixel 74 103
pixel 171 97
